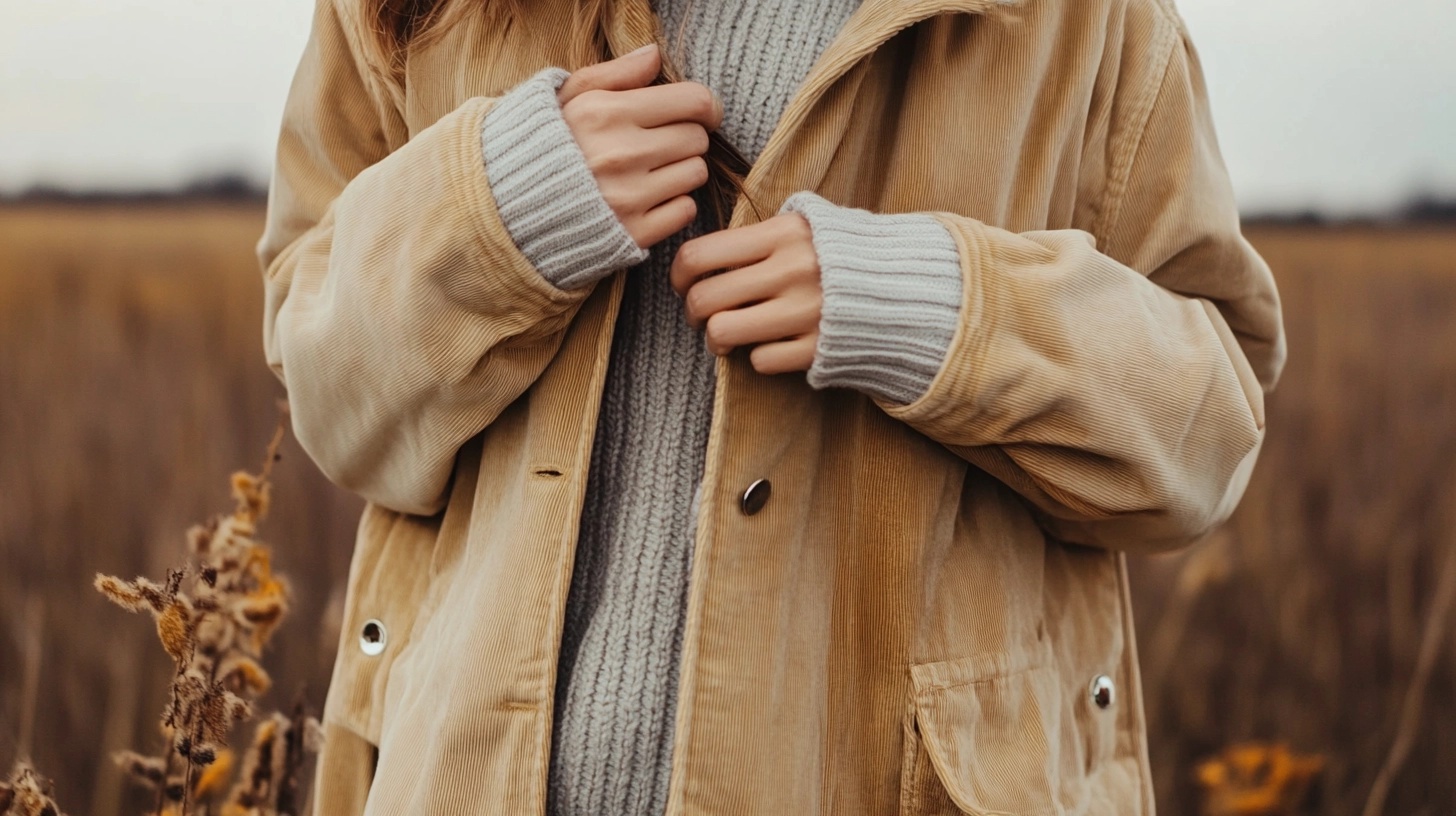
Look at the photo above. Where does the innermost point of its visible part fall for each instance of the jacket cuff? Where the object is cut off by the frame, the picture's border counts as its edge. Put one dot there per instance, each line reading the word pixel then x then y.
pixel 547 195
pixel 892 298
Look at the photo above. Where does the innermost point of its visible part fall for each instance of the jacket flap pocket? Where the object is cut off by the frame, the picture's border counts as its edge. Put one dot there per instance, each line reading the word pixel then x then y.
pixel 993 730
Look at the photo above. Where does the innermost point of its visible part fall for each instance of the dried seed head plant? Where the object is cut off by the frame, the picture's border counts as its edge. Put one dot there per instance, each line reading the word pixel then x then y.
pixel 269 781
pixel 214 617
pixel 27 793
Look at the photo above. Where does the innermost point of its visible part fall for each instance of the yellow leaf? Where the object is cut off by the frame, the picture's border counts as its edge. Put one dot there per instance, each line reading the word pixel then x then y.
pixel 174 628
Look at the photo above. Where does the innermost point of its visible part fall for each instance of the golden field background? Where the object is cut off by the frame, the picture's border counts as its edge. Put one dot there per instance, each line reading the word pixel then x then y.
pixel 132 384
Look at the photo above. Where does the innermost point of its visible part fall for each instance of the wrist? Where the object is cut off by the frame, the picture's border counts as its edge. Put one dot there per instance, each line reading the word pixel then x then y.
pixel 891 298
pixel 547 196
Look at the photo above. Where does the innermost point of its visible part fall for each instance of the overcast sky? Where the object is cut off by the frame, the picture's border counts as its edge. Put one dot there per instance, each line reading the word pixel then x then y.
pixel 1341 104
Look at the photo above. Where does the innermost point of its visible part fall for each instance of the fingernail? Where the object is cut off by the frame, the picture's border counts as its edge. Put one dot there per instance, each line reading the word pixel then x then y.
pixel 644 49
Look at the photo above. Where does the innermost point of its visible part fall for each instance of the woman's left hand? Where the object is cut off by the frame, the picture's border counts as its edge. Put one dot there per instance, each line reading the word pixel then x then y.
pixel 769 297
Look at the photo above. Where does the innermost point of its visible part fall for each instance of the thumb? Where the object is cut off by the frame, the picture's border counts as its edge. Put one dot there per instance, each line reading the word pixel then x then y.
pixel 634 69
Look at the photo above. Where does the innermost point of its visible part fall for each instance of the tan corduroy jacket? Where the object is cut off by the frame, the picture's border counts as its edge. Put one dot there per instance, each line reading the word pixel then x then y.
pixel 930 613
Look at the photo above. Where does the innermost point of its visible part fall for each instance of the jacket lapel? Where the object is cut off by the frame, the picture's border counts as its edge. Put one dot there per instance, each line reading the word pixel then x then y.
pixel 633 23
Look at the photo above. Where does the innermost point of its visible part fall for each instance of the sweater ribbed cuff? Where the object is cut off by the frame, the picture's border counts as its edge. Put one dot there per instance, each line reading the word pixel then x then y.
pixel 892 298
pixel 545 192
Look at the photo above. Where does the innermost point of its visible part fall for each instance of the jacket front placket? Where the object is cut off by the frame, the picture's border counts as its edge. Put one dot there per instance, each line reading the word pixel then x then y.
pixel 785 165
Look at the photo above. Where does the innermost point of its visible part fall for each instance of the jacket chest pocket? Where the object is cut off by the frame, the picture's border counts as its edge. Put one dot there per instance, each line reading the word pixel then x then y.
pixel 986 737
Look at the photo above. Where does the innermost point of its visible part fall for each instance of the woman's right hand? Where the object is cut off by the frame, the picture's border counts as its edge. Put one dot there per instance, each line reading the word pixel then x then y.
pixel 644 143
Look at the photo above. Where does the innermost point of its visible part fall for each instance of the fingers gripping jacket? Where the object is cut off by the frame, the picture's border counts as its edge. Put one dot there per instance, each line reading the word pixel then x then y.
pixel 548 197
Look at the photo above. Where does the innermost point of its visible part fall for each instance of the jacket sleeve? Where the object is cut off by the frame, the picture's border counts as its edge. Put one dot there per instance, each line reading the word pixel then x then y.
pixel 1119 389
pixel 399 313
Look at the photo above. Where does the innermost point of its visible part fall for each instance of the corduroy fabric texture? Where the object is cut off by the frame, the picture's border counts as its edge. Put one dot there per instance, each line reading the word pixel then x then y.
pixel 892 290
pixel 911 622
pixel 617 677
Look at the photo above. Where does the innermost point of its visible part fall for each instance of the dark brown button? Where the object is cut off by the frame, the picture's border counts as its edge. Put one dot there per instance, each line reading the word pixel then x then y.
pixel 1103 693
pixel 756 496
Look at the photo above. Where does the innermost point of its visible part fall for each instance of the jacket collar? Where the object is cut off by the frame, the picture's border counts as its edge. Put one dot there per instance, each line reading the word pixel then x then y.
pixel 633 24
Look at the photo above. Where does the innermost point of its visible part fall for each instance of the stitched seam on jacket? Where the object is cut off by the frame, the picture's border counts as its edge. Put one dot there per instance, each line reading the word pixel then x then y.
pixel 1133 714
pixel 1170 13
pixel 1039 656
pixel 1125 155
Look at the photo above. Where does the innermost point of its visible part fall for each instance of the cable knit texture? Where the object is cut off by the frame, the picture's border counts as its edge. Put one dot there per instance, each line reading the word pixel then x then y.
pixel 892 293
pixel 892 297
pixel 548 197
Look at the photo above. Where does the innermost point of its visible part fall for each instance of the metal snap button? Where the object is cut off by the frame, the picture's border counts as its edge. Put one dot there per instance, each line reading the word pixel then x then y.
pixel 372 638
pixel 755 497
pixel 1102 691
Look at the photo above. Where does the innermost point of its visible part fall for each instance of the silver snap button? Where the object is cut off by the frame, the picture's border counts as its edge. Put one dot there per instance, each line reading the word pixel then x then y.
pixel 372 638
pixel 1102 691
pixel 755 497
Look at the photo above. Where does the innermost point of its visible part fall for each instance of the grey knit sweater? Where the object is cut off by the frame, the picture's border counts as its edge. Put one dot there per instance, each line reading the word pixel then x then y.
pixel 892 293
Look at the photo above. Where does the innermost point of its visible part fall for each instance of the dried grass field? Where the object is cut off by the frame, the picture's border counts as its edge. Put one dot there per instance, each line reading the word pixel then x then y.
pixel 132 384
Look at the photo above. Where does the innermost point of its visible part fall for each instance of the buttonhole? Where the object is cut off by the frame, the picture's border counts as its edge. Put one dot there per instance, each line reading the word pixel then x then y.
pixel 547 473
